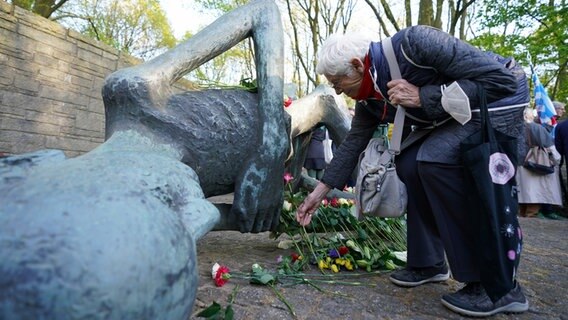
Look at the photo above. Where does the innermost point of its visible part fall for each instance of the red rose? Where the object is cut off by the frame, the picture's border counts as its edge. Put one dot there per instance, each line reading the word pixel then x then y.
pixel 294 256
pixel 343 250
pixel 222 276
pixel 287 102
pixel 334 203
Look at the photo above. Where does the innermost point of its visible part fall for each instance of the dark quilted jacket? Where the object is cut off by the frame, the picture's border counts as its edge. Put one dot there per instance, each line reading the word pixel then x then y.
pixel 428 58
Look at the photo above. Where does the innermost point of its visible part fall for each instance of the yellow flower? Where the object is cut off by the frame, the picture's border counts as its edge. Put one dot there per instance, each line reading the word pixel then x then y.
pixel 348 265
pixel 322 265
pixel 340 261
pixel 334 268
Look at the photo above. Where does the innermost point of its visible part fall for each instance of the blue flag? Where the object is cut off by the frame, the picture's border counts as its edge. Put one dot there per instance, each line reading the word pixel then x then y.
pixel 543 104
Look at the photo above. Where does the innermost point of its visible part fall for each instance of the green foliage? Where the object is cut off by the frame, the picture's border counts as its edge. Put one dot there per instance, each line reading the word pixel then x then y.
pixel 44 8
pixel 249 84
pixel 222 5
pixel 498 43
pixel 260 275
pixel 138 27
pixel 24 4
pixel 216 312
pixel 240 57
pixel 227 68
pixel 534 32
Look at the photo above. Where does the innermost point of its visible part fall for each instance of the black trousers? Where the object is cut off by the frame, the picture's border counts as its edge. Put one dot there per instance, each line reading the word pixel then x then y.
pixel 438 222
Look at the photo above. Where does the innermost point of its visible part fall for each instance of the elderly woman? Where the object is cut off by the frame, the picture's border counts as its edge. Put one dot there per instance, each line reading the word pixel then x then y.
pixel 431 62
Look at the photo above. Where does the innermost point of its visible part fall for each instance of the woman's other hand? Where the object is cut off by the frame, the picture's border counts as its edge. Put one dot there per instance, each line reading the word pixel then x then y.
pixel 403 93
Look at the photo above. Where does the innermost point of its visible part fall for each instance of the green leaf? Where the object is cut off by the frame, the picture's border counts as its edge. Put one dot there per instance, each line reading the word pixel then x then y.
pixel 211 311
pixel 389 264
pixel 229 313
pixel 261 276
pixel 351 244
pixel 362 234
pixel 367 252
pixel 262 279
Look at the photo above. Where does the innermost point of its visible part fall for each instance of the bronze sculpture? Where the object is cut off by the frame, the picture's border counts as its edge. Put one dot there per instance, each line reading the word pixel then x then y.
pixel 111 234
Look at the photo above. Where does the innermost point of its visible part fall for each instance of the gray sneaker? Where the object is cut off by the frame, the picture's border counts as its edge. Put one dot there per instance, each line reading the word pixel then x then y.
pixel 412 277
pixel 473 301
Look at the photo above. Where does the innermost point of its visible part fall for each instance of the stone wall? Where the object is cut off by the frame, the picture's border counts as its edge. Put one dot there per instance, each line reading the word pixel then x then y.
pixel 50 84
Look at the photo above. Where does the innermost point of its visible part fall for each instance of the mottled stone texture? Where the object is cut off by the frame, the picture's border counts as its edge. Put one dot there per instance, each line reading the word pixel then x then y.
pixel 107 235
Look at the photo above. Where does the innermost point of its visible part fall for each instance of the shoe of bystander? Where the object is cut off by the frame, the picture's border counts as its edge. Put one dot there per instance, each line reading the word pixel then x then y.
pixel 473 301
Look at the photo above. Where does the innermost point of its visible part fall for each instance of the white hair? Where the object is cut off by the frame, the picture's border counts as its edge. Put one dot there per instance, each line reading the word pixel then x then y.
pixel 529 114
pixel 336 53
pixel 558 105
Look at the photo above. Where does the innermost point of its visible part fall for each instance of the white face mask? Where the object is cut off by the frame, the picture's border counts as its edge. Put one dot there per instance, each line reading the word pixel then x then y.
pixel 456 103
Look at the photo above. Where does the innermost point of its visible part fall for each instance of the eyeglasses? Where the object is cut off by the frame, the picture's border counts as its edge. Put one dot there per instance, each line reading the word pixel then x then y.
pixel 336 82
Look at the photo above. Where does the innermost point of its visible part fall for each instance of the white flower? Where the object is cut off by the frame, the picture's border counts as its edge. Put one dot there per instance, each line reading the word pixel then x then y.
pixel 337 237
pixel 286 244
pixel 400 255
pixel 216 267
pixel 286 206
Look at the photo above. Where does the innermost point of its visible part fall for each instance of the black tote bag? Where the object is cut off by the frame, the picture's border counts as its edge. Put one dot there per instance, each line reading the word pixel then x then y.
pixel 490 160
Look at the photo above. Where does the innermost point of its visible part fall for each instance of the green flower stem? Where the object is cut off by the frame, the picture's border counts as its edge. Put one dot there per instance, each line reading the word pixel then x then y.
pixel 348 233
pixel 372 230
pixel 394 232
pixel 350 283
pixel 310 283
pixel 318 216
pixel 217 85
pixel 383 235
pixel 281 298
pixel 296 244
pixel 309 242
pixel 400 234
pixel 233 296
pixel 338 275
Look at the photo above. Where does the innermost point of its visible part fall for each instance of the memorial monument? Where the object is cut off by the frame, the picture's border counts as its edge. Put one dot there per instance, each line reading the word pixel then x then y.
pixel 111 234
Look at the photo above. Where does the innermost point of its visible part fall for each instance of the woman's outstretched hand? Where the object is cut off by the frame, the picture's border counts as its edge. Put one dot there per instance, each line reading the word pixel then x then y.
pixel 310 204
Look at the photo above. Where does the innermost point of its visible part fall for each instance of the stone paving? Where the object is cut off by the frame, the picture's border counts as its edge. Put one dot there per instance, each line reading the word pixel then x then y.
pixel 543 275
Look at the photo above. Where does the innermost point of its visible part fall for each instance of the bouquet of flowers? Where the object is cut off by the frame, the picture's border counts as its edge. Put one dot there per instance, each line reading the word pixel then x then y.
pixel 335 243
pixel 336 239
